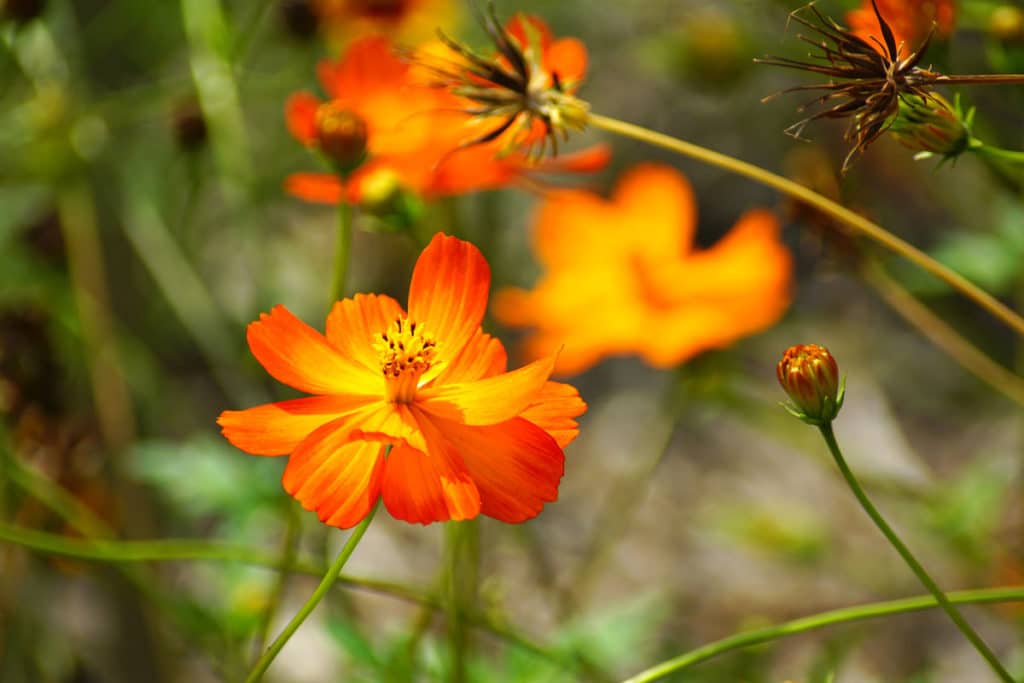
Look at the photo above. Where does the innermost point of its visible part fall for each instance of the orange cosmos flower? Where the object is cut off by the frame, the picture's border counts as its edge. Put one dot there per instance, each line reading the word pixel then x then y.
pixel 622 276
pixel 466 437
pixel 910 21
pixel 525 94
pixel 411 132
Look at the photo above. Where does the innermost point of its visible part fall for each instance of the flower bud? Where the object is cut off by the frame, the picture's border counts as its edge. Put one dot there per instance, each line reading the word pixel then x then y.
pixel 341 135
pixel 932 125
pixel 810 376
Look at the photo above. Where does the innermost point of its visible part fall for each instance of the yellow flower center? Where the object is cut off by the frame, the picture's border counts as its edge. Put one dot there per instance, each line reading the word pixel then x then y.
pixel 405 351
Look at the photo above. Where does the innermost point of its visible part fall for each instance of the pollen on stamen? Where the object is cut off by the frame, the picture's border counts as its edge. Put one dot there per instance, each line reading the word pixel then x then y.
pixel 405 353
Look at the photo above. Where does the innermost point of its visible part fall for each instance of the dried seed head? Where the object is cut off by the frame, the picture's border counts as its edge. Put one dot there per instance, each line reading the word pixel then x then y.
pixel 867 81
pixel 512 87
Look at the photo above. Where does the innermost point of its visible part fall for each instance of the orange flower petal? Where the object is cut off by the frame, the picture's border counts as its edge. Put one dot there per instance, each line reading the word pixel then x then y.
pixel 567 57
pixel 368 64
pixel 589 160
pixel 353 324
pixel 391 423
pixel 448 293
pixel 554 409
pixel 337 477
pixel 483 356
pixel 665 198
pixel 524 27
pixel 422 488
pixel 490 400
pixel 278 428
pixel 321 188
pixel 516 466
pixel 300 115
pixel 299 356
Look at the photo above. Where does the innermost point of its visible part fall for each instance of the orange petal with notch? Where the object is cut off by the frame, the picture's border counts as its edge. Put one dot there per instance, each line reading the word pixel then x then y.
pixel 448 292
pixel 278 428
pixel 299 356
pixel 489 400
pixel 554 409
pixel 338 478
pixel 421 488
pixel 516 466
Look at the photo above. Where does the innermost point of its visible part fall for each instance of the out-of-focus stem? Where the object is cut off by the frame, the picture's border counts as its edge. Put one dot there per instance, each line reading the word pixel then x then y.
pixel 289 550
pixel 462 550
pixel 944 336
pixel 89 287
pixel 831 208
pixel 342 252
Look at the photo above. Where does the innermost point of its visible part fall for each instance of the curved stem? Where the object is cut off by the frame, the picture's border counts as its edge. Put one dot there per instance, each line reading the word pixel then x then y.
pixel 342 249
pixel 325 585
pixel 827 206
pixel 908 557
pixel 814 622
pixel 944 336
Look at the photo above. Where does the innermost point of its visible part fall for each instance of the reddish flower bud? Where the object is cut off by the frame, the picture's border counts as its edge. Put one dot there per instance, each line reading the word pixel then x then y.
pixel 341 135
pixel 810 376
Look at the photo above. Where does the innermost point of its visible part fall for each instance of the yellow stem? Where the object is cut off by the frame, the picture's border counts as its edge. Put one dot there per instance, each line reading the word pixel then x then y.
pixel 823 204
pixel 945 337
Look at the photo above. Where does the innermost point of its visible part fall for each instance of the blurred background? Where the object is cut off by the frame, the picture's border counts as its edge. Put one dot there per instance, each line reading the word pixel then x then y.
pixel 143 225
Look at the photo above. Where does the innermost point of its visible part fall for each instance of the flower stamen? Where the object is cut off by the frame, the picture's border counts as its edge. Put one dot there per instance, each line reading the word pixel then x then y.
pixel 405 351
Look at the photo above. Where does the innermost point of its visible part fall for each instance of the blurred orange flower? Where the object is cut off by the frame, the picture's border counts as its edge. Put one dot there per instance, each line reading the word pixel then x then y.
pixel 466 437
pixel 412 131
pixel 403 20
pixel 910 21
pixel 622 276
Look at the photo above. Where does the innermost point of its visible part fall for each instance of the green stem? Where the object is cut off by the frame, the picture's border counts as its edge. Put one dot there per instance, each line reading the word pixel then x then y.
pixel 329 579
pixel 814 622
pixel 1000 153
pixel 176 550
pixel 342 249
pixel 289 549
pixel 908 557
pixel 823 204
pixel 462 541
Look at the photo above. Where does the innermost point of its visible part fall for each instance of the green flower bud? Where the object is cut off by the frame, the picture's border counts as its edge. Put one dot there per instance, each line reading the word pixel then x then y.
pixel 931 125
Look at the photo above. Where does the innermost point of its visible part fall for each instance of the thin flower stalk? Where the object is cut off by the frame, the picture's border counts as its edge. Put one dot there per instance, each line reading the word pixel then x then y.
pixel 814 622
pixel 329 579
pixel 908 557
